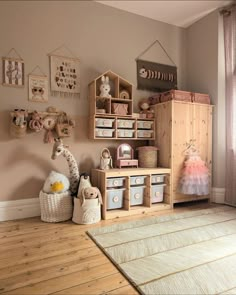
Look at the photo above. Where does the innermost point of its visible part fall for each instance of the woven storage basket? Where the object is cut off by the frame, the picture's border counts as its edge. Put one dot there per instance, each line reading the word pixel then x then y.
pixel 147 156
pixel 55 207
pixel 18 131
pixel 88 213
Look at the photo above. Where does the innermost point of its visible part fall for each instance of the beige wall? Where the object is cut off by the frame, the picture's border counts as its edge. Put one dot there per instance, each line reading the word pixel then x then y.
pixel 205 69
pixel 103 38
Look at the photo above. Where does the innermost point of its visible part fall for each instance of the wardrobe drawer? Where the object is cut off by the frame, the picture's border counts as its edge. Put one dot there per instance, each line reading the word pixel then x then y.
pixel 115 198
pixel 115 182
pixel 136 195
pixel 137 180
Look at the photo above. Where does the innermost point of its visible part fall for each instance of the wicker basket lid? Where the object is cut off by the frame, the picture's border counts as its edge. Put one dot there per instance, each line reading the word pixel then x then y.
pixel 147 148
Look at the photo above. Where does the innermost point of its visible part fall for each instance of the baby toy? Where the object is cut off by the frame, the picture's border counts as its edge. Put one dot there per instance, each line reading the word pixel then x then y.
pixel 105 87
pixel 90 193
pixel 56 183
pixel 144 105
pixel 84 182
pixel 36 122
pixel 106 159
pixel 60 149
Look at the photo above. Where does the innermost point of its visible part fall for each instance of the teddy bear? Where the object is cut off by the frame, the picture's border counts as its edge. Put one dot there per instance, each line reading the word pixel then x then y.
pixel 90 193
pixel 146 111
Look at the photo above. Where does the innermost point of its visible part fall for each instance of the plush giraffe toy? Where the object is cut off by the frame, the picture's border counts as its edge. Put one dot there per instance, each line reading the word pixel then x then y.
pixel 60 149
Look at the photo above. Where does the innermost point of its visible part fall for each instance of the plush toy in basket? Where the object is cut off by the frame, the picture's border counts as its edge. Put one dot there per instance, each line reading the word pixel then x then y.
pixel 87 208
pixel 55 198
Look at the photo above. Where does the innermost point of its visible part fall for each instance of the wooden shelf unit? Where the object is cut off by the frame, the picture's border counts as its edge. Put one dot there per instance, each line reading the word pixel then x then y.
pixel 177 123
pixel 100 179
pixel 110 127
pixel 117 84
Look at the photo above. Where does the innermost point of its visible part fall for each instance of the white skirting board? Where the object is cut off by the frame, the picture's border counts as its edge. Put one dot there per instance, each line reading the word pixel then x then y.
pixel 218 195
pixel 11 210
pixel 18 209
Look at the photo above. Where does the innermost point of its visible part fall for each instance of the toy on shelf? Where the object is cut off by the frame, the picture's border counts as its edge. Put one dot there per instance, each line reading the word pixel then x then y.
pixel 124 156
pixel 60 149
pixel 106 159
pixel 105 87
pixel 36 122
pixel 145 110
pixel 55 198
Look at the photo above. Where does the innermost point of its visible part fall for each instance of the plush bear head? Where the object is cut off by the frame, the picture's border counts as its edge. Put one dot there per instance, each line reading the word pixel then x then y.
pixel 90 193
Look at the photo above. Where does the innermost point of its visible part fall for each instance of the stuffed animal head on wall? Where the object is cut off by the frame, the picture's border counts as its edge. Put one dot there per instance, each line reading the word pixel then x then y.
pixel 90 193
pixel 58 148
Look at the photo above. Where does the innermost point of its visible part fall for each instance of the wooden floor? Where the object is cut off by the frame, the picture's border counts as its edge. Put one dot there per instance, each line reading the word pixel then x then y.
pixel 44 258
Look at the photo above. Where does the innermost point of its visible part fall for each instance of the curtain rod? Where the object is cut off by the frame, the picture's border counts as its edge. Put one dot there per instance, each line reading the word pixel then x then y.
pixel 227 10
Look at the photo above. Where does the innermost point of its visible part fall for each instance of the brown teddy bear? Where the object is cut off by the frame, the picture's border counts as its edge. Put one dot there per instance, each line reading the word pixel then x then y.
pixel 91 193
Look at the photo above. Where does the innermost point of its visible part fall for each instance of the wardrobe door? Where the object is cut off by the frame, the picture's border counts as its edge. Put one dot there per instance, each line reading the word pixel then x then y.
pixel 182 134
pixel 202 132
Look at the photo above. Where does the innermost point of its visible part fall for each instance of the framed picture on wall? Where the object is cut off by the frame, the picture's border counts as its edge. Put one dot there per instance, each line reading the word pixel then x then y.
pixel 38 88
pixel 13 72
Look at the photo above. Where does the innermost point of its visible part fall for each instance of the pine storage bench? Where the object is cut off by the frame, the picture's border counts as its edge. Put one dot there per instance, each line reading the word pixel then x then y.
pixel 129 191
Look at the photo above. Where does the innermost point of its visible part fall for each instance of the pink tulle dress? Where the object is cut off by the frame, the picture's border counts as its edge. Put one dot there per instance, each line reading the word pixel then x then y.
pixel 194 178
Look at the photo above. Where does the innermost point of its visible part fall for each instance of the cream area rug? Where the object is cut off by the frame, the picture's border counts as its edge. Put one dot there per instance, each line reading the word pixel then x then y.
pixel 187 253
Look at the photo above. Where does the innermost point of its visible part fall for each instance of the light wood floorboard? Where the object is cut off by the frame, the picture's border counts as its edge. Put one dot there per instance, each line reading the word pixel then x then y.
pixel 43 258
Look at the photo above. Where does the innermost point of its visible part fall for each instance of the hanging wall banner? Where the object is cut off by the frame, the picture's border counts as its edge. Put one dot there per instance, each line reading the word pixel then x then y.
pixel 64 76
pixel 156 77
pixel 38 88
pixel 13 72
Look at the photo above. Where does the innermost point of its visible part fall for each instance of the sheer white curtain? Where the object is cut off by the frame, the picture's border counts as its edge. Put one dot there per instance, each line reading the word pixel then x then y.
pixel 230 62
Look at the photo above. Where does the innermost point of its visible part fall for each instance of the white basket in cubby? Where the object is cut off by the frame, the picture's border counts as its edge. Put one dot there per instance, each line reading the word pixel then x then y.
pixel 125 123
pixel 55 207
pixel 103 122
pixel 125 133
pixel 104 132
pixel 144 124
pixel 144 133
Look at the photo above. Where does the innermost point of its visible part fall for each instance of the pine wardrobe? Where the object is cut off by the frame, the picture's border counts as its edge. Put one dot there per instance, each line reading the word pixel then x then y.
pixel 179 123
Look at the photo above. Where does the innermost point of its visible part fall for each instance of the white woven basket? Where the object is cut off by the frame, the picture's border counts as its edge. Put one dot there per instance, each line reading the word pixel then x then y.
pixel 88 213
pixel 55 207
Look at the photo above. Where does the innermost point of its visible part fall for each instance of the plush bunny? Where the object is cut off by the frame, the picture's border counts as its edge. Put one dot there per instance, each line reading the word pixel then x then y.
pixel 90 193
pixel 105 87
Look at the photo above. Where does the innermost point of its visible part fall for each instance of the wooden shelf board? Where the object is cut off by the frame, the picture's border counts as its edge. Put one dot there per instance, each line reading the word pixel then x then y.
pixel 134 171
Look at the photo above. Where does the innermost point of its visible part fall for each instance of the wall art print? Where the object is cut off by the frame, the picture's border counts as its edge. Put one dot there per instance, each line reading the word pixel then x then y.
pixel 13 72
pixel 65 77
pixel 38 88
pixel 156 77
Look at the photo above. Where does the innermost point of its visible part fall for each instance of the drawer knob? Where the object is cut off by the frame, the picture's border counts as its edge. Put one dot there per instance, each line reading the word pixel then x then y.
pixel 137 196
pixel 138 180
pixel 115 199
pixel 157 194
pixel 115 182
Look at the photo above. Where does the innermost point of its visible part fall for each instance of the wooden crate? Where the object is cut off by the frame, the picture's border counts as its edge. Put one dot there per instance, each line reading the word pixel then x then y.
pixel 176 95
pixel 200 98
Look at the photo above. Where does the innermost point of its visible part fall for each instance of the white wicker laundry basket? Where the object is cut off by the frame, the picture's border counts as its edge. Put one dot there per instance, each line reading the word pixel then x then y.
pixel 88 213
pixel 55 207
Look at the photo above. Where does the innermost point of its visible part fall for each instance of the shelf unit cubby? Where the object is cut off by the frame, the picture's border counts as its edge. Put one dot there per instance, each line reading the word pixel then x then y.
pixel 122 127
pixel 129 191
